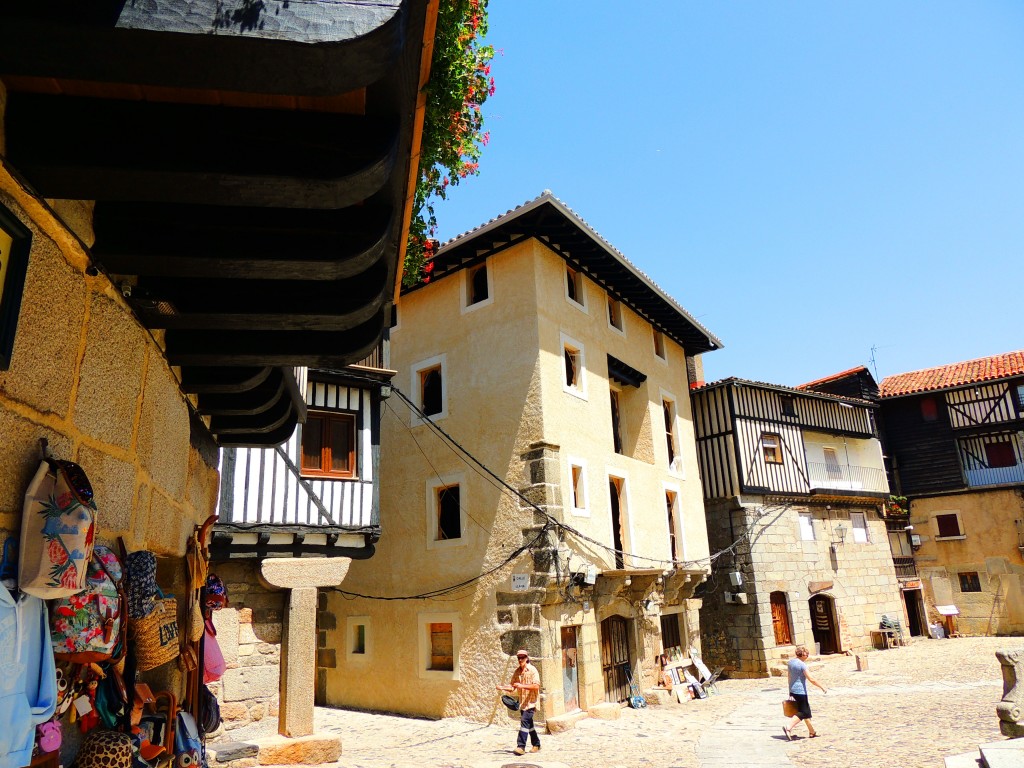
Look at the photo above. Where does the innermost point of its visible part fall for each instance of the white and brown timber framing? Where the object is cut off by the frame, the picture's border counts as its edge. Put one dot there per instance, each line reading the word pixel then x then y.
pixel 731 416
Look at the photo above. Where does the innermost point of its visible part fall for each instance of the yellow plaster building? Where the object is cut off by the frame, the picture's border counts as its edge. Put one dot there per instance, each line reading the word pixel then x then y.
pixel 559 366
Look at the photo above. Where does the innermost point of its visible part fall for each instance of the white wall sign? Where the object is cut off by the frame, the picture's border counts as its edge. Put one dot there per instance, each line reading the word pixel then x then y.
pixel 520 582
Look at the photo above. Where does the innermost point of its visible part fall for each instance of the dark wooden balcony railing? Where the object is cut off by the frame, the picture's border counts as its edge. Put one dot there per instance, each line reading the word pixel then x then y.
pixel 905 566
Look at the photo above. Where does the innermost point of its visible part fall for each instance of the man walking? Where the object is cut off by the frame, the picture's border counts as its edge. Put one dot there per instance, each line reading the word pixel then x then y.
pixel 526 680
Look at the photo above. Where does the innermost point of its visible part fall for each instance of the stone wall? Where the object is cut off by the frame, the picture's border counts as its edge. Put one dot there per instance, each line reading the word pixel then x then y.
pixel 858 577
pixel 249 633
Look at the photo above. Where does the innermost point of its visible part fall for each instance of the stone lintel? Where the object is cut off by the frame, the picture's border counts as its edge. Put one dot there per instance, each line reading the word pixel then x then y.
pixel 295 572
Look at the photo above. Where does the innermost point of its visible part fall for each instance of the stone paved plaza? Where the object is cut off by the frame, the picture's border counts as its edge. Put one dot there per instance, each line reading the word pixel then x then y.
pixel 911 708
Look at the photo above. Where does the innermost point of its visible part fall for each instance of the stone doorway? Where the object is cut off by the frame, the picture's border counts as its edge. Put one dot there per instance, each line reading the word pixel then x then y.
pixel 615 661
pixel 824 625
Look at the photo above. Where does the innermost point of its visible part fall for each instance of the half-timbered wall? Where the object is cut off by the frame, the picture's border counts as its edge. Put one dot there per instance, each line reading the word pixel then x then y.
pixel 986 404
pixel 811 412
pixel 716 454
pixel 730 420
pixel 269 490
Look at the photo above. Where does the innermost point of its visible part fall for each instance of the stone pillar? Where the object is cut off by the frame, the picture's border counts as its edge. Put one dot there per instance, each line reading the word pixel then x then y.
pixel 1010 708
pixel 302 576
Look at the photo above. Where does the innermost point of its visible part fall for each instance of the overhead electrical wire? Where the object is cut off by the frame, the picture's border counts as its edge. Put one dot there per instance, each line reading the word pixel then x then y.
pixel 552 523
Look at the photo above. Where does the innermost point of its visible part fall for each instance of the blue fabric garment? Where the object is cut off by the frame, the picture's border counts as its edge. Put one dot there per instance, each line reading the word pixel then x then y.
pixel 797 676
pixel 28 682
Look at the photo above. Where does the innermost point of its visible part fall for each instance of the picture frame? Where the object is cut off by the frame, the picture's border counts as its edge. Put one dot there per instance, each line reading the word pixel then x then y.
pixel 15 243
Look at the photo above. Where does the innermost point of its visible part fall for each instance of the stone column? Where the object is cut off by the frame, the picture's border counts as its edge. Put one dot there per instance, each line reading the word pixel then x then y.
pixel 302 576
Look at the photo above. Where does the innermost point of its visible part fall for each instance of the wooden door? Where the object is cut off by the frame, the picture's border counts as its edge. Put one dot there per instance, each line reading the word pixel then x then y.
pixel 615 658
pixel 780 619
pixel 570 672
pixel 823 624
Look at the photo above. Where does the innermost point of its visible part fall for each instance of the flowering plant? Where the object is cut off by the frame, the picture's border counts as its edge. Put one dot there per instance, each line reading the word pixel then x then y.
pixel 453 135
pixel 897 506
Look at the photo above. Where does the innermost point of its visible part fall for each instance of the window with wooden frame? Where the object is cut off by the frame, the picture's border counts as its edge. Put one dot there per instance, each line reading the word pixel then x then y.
pixel 788 405
pixel 659 344
pixel 615 397
pixel 806 526
pixel 1020 398
pixel 671 640
pixel 970 582
pixel 442 647
pixel 771 447
pixel 1000 453
pixel 578 479
pixel 449 513
pixel 670 508
pixel 859 524
pixel 572 366
pixel 477 286
pixel 615 313
pixel 431 390
pixel 329 445
pixel 669 410
pixel 574 287
pixel 929 409
pixel 947 525
pixel 832 468
pixel 780 618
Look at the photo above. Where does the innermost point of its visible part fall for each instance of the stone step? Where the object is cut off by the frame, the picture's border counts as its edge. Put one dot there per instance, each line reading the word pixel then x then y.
pixel 966 760
pixel 316 749
pixel 1003 754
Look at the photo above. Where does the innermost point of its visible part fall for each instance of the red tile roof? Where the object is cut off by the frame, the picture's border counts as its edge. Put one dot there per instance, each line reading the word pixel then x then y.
pixel 954 375
pixel 833 377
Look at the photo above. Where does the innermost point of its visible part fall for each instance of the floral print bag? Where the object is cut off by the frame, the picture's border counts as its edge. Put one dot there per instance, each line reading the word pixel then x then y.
pixel 57 530
pixel 89 627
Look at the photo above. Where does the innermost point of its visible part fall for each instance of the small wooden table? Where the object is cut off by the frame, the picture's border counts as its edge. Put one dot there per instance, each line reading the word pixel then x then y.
pixel 886 638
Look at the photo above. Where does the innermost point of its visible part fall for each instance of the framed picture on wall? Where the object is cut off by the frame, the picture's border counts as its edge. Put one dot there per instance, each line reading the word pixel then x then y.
pixel 15 241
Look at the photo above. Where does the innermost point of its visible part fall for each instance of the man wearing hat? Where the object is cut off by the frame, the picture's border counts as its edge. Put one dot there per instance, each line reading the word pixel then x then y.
pixel 526 680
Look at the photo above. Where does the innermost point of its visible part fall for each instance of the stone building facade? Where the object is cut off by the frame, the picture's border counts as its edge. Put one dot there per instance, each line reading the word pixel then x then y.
pixel 520 353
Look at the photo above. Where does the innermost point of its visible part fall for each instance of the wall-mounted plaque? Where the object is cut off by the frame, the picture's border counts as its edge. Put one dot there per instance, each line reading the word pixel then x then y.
pixel 15 240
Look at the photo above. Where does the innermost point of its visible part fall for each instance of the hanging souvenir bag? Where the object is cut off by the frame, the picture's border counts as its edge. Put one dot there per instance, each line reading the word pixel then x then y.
pixel 188 748
pixel 57 530
pixel 104 749
pixel 213 658
pixel 155 636
pixel 209 711
pixel 140 583
pixel 89 626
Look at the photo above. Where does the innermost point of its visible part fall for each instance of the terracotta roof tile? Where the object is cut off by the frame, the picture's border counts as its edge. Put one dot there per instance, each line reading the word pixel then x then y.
pixel 954 375
pixel 833 377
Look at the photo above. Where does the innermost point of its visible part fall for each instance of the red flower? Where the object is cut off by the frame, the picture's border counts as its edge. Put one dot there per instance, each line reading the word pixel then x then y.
pixel 65 499
pixel 56 552
pixel 69 579
pixel 65 610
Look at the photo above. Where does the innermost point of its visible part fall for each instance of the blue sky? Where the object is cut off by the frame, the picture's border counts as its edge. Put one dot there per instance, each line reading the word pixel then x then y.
pixel 808 179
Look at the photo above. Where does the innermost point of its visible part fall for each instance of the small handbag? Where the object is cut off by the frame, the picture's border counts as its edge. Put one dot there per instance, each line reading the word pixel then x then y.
pixel 789 707
pixel 511 702
pixel 156 635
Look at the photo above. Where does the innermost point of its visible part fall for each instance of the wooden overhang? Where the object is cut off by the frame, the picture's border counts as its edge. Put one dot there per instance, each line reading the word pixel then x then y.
pixel 551 222
pixel 251 167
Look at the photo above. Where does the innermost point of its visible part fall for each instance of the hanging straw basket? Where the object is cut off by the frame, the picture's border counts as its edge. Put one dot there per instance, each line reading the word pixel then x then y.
pixel 156 636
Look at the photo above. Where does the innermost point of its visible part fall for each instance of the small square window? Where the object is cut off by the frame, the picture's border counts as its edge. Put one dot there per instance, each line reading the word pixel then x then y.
pixel 948 525
pixel 659 344
pixel 574 365
pixel 771 447
pixel 430 388
pixel 438 641
pixel 478 288
pixel 969 582
pixel 574 287
pixel 1000 453
pixel 359 639
pixel 1020 397
pixel 615 313
pixel 788 405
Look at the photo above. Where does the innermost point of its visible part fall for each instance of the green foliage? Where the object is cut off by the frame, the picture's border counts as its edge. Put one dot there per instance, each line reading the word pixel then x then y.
pixel 897 506
pixel 453 135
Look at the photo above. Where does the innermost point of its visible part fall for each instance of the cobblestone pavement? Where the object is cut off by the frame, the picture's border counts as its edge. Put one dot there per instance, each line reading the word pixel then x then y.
pixel 911 708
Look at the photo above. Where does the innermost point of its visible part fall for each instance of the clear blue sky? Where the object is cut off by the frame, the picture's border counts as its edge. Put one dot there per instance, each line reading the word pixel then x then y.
pixel 808 179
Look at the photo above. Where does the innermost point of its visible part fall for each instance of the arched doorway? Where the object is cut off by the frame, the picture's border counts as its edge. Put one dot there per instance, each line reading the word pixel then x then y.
pixel 615 658
pixel 823 623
